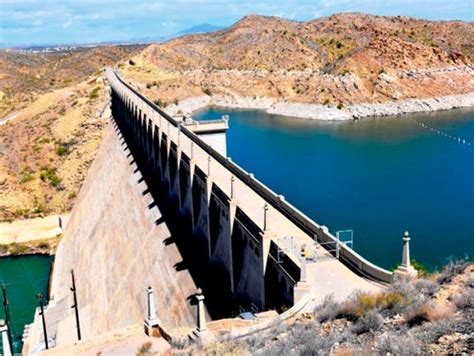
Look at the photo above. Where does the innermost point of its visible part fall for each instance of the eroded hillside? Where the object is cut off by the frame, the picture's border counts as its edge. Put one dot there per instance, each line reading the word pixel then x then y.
pixel 55 127
pixel 23 75
pixel 346 58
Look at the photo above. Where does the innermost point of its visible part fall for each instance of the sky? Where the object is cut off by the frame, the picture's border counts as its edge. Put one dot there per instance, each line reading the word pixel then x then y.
pixel 25 22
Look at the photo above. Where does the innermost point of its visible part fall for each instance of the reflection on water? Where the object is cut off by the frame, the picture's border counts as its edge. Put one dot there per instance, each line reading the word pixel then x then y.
pixel 377 176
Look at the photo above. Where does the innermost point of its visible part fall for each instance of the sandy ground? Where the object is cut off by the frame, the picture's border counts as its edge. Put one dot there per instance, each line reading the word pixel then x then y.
pixel 32 229
pixel 129 341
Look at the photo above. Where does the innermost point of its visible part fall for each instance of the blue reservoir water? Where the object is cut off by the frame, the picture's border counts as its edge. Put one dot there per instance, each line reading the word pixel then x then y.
pixel 377 176
pixel 24 277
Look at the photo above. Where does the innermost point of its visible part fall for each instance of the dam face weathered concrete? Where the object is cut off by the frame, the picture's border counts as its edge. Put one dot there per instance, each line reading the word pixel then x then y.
pixel 118 244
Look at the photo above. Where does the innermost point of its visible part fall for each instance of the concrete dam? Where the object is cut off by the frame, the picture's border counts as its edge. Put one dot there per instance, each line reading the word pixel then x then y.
pixel 163 207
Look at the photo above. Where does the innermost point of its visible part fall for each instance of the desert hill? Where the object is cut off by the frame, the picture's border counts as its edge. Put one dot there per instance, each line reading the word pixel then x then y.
pixel 24 75
pixel 345 58
pixel 55 129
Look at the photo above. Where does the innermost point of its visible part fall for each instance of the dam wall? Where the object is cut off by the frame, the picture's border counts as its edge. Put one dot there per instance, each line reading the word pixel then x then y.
pixel 160 207
pixel 118 244
pixel 282 218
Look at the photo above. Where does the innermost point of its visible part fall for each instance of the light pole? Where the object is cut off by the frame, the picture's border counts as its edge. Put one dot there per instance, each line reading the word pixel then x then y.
pixel 75 306
pixel 40 300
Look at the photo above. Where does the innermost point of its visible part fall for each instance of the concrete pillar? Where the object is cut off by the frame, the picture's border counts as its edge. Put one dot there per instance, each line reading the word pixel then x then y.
pixel 405 268
pixel 201 334
pixel 201 312
pixel 4 336
pixel 151 318
pixel 302 287
pixel 303 267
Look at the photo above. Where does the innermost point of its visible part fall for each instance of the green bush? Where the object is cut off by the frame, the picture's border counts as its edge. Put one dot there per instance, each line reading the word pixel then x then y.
pixel 207 91
pixel 160 103
pixel 21 213
pixel 422 269
pixel 94 94
pixel 49 174
pixel 16 249
pixel 62 148
pixel 3 249
pixel 39 209
pixel 26 175
pixel 43 245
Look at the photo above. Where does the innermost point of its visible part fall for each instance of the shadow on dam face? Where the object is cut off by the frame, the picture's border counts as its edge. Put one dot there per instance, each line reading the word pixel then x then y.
pixel 210 275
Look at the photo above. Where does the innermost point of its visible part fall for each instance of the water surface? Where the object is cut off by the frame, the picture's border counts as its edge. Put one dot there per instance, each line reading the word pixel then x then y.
pixel 24 277
pixel 376 176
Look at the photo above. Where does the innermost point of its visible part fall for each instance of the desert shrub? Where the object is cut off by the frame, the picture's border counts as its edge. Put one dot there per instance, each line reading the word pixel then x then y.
pixel 17 249
pixel 180 342
pixel 360 304
pixel 48 174
pixel 219 348
pixel 327 310
pixel 39 209
pixel 340 106
pixel 207 91
pixel 26 175
pixel 426 287
pixel 42 140
pixel 131 62
pixel 430 332
pixel 470 283
pixel 160 103
pixel 148 85
pixel 3 249
pixel 464 301
pixel 94 94
pixel 64 147
pixel 326 101
pixel 422 269
pixel 61 150
pixel 43 245
pixel 357 306
pixel 396 344
pixel 422 314
pixel 21 213
pixel 299 338
pixel 370 322
pixel 413 297
pixel 145 348
pixel 451 270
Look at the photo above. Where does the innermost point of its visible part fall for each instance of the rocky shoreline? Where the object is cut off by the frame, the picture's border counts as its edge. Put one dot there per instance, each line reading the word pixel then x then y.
pixel 325 112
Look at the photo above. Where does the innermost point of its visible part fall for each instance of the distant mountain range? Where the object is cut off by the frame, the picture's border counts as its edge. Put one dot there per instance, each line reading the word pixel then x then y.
pixel 201 28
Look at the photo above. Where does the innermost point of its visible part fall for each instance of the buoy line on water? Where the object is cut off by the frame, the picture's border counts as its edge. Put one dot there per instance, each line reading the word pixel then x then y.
pixel 458 139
